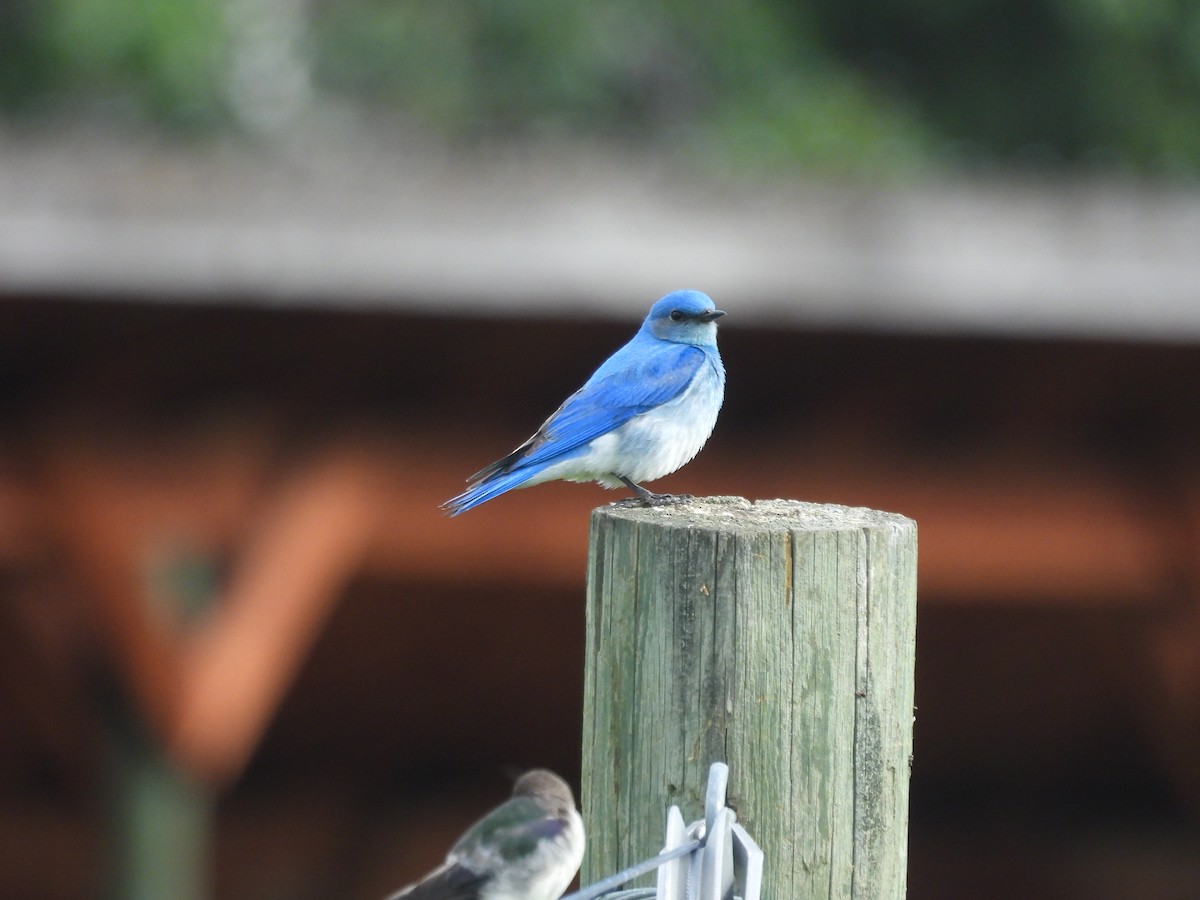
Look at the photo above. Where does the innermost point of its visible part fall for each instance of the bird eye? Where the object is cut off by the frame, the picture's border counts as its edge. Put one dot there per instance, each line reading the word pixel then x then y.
pixel 676 315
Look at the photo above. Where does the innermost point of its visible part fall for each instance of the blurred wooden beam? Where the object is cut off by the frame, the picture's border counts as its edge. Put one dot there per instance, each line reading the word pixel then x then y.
pixel 237 666
pixel 297 530
pixel 1037 535
pixel 353 227
pixel 208 690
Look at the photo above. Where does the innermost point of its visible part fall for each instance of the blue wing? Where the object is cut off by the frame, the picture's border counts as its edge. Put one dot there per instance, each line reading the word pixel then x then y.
pixel 621 389
pixel 635 379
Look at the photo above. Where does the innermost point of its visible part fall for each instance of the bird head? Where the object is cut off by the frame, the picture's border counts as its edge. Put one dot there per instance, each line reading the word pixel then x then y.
pixel 545 784
pixel 684 317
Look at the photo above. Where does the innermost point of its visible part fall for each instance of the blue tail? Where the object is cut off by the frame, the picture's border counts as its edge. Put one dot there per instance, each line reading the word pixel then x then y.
pixel 482 491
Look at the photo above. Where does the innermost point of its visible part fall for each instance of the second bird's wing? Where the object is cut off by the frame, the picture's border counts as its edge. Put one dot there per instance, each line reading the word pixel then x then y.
pixel 506 839
pixel 635 379
pixel 509 838
pixel 450 882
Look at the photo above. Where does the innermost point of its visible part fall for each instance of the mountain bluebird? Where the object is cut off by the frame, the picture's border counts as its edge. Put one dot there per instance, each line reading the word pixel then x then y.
pixel 528 848
pixel 644 413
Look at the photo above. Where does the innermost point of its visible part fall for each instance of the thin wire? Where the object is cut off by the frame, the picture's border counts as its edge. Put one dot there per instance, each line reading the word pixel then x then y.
pixel 602 887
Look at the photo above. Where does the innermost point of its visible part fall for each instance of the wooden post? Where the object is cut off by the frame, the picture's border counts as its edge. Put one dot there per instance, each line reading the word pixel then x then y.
pixel 777 637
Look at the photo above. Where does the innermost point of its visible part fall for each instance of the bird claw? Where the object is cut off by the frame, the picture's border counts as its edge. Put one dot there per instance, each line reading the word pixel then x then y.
pixel 668 499
pixel 650 500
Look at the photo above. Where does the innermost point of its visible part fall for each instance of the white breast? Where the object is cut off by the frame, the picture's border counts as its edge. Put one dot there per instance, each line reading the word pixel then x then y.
pixel 658 442
pixel 547 874
pixel 651 445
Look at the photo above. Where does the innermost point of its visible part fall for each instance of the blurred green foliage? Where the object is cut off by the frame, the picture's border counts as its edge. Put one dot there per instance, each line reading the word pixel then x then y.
pixel 736 81
pixel 1104 82
pixel 156 60
pixel 875 86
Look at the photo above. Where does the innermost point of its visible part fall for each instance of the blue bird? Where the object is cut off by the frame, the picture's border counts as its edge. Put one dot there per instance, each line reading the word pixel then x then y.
pixel 528 848
pixel 644 413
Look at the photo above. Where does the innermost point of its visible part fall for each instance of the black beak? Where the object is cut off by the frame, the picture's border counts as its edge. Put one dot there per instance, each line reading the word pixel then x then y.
pixel 710 315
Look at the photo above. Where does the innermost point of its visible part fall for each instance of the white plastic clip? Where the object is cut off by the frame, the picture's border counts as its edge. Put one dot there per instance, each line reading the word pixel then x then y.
pixel 713 858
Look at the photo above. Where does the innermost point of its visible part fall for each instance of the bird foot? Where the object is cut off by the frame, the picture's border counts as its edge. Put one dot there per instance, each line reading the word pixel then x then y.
pixel 649 499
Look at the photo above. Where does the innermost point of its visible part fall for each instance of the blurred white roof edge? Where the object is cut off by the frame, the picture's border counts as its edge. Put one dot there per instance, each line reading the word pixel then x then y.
pixel 592 234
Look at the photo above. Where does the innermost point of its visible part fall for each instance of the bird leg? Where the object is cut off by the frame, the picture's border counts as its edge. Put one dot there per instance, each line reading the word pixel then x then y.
pixel 649 498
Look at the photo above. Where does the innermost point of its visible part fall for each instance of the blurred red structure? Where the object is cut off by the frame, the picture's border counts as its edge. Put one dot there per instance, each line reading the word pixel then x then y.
pixel 301 457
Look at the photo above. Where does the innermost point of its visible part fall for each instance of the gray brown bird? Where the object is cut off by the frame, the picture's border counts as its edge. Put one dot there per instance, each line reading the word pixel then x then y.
pixel 528 848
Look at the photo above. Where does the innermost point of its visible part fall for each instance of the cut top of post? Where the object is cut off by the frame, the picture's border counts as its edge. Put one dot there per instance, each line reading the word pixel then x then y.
pixel 738 513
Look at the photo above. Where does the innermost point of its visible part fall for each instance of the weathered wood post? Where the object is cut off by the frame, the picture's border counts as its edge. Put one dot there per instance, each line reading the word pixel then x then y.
pixel 778 637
